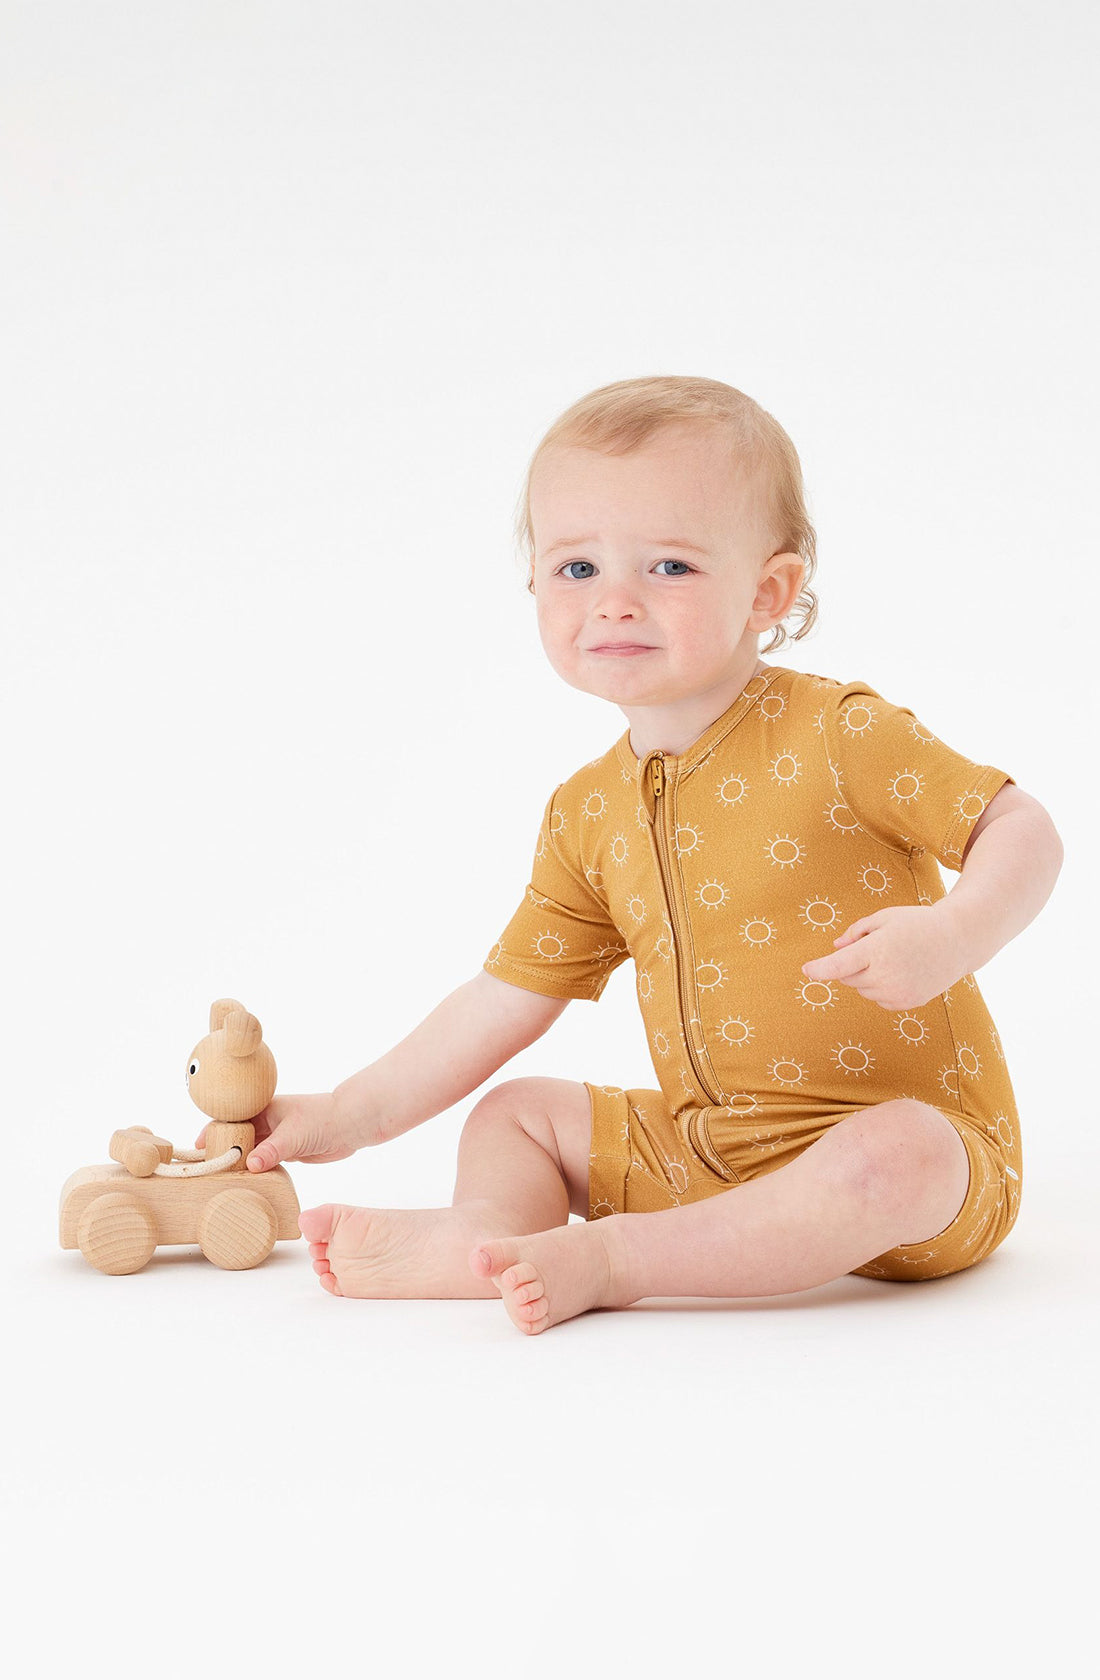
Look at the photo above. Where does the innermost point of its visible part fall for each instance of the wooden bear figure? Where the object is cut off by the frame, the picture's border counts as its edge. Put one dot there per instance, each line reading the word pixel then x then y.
pixel 116 1215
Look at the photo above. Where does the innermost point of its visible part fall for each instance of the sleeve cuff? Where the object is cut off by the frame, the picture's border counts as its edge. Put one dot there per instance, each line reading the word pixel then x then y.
pixel 972 805
pixel 546 984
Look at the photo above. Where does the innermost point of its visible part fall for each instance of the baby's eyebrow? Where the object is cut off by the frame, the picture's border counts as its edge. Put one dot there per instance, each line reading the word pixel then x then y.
pixel 659 542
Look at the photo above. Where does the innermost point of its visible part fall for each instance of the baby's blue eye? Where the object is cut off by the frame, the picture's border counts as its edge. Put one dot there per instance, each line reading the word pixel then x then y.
pixel 570 563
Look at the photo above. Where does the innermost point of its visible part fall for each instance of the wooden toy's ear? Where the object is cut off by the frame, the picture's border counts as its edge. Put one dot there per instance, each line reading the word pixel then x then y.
pixel 222 1008
pixel 243 1033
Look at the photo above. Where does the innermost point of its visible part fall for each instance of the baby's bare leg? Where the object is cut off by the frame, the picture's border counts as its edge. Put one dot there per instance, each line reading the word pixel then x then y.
pixel 513 1178
pixel 895 1173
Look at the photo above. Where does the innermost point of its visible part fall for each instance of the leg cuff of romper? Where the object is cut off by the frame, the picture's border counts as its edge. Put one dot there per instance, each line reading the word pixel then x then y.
pixel 609 1158
pixel 981 1224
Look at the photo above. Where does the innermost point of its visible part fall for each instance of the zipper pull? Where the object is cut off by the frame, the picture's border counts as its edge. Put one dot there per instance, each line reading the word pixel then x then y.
pixel 657 774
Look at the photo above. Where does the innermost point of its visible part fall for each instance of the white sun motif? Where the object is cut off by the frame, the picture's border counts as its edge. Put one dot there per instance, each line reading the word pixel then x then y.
pixel 842 818
pixel 636 905
pixel 601 1209
pixel 784 851
pixel 857 717
pixel 645 985
pixel 710 894
pixel 640 816
pixel 820 913
pixel 595 805
pixel 968 1060
pixel 735 1030
pixel 764 1145
pixel 757 931
pixel 773 706
pixel 687 839
pixel 540 849
pixel 732 790
pixel 610 954
pixel 819 994
pixel 786 769
pixel 911 1028
pixel 594 877
pixel 1000 1127
pixel 741 1103
pixel 949 1080
pixel 786 1072
pixel 678 1175
pixel 853 1058
pixel 873 879
pixel 661 1044
pixel 550 945
pixel 557 822
pixel 619 849
pixel 906 786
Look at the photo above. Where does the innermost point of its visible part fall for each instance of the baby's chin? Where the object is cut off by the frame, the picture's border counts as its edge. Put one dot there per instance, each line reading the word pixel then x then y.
pixel 618 684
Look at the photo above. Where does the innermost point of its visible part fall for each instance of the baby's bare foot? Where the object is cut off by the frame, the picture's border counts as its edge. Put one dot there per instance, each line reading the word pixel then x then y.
pixel 399 1253
pixel 557 1274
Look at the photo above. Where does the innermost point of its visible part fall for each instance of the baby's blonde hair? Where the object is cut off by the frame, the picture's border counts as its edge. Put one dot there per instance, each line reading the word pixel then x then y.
pixel 621 417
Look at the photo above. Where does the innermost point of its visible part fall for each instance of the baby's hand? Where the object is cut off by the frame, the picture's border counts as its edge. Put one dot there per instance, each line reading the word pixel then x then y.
pixel 304 1128
pixel 899 957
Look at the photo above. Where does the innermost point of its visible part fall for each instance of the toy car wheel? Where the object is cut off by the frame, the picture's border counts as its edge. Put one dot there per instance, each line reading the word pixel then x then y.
pixel 116 1234
pixel 237 1229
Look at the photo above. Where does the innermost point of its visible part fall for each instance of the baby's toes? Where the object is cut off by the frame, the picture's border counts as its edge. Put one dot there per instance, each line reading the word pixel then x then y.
pixel 531 1316
pixel 521 1282
pixel 328 1281
pixel 527 1292
pixel 524 1294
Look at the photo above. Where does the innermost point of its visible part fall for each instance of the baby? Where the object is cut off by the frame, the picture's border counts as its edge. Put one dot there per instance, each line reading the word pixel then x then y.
pixel 763 842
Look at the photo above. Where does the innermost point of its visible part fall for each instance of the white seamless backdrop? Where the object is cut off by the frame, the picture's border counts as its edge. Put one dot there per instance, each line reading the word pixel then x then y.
pixel 290 293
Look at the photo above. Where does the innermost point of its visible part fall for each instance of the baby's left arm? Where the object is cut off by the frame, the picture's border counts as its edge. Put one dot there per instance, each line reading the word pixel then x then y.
pixel 900 957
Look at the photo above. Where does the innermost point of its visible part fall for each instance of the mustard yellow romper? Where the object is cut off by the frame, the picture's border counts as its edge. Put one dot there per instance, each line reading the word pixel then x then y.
pixel 808 804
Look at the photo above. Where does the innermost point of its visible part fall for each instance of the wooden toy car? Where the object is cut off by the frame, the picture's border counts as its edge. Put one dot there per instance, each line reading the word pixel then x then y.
pixel 117 1214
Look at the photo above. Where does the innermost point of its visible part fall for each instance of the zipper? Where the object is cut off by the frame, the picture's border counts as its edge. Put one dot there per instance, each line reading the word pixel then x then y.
pixel 657 782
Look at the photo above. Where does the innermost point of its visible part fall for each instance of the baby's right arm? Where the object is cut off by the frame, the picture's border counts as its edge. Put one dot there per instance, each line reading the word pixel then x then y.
pixel 467 1037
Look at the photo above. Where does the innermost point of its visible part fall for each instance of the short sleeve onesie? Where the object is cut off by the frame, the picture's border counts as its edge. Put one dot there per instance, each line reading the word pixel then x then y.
pixel 808 804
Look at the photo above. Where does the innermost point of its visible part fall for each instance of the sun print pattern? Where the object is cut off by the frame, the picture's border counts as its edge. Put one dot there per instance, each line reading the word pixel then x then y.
pixel 807 805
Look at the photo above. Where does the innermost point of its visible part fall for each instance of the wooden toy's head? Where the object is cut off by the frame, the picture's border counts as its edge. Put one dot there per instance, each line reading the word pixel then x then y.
pixel 231 1072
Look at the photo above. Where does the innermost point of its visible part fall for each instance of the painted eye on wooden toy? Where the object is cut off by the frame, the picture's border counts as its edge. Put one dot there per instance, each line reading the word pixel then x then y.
pixel 192 1070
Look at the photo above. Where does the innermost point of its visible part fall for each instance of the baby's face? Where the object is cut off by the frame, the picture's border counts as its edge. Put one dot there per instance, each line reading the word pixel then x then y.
pixel 613 566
